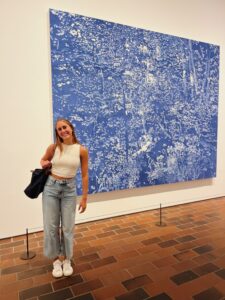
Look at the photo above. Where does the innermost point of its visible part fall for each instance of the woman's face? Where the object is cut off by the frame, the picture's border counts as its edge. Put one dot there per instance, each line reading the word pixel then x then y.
pixel 64 130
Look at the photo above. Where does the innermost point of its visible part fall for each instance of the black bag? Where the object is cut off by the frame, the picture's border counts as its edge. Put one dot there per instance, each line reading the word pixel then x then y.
pixel 37 184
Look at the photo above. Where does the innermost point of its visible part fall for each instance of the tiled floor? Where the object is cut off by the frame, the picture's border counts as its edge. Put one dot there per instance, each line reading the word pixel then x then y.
pixel 128 257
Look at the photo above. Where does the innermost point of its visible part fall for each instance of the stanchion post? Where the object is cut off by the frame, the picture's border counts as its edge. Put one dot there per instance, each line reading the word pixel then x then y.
pixel 160 223
pixel 28 254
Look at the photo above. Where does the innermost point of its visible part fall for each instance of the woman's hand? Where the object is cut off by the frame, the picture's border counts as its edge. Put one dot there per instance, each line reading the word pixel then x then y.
pixel 83 205
pixel 46 164
pixel 46 159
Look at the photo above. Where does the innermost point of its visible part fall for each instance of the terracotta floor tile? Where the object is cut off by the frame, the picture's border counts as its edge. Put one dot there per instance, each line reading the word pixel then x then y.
pixel 82 246
pixel 188 231
pixel 84 297
pixel 204 258
pixel 8 257
pixel 99 242
pixel 86 287
pixel 33 272
pixel 185 265
pixel 221 273
pixel 220 262
pixel 185 255
pixel 120 236
pixel 162 296
pixel 186 238
pixel 42 279
pixel 11 244
pixel 170 236
pixel 93 273
pixel 91 233
pixel 103 261
pixel 142 269
pixel 59 295
pixel 168 251
pixel 198 285
pixel 109 291
pixel 131 245
pixel 112 227
pixel 165 261
pixel 211 293
pixel 220 286
pixel 97 226
pixel 35 291
pixel 6 240
pixel 10 296
pixel 161 274
pixel 184 277
pixel 168 243
pixel 6 251
pixel 210 279
pixel 16 286
pixel 151 241
pixel 112 251
pixel 105 234
pixel 6 279
pixel 115 277
pixel 79 268
pixel 138 294
pixel 206 268
pixel 123 264
pixel 161 286
pixel 15 269
pixel 126 255
pixel 135 282
pixel 126 229
pixel 185 246
pixel 66 282
pixel 137 232
pixel 86 239
pixel 87 258
pixel 39 262
pixel 107 252
pixel 150 248
pixel 91 250
pixel 115 244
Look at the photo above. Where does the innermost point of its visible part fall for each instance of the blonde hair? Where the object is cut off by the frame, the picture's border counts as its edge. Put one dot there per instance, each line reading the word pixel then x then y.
pixel 59 140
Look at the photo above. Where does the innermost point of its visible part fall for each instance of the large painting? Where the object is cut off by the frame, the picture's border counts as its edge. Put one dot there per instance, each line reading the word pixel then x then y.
pixel 144 103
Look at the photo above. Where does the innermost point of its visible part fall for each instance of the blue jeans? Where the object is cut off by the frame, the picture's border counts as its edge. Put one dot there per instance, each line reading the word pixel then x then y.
pixel 59 207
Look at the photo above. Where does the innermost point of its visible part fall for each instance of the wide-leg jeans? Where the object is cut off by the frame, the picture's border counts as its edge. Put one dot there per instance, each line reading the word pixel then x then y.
pixel 59 207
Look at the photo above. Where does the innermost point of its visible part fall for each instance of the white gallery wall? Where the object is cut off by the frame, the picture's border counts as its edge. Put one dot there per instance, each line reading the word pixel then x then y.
pixel 26 100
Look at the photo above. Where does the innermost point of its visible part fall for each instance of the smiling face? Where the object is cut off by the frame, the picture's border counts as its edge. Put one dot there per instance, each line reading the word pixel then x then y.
pixel 64 131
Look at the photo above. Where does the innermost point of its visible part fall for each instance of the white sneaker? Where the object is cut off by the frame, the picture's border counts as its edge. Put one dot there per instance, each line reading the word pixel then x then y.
pixel 57 269
pixel 67 268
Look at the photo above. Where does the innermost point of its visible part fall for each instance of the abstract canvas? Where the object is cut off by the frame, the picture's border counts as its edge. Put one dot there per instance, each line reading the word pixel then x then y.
pixel 144 103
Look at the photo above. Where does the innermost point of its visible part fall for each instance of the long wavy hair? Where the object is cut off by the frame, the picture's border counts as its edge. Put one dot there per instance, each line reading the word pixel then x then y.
pixel 59 140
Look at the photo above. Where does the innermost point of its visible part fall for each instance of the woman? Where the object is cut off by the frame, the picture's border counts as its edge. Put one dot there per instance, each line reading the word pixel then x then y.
pixel 59 196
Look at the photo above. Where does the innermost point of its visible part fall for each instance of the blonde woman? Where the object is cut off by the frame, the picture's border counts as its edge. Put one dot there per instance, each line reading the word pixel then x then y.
pixel 59 196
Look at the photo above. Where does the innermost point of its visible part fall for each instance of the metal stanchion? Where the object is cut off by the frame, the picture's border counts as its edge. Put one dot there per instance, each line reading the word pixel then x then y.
pixel 28 254
pixel 160 223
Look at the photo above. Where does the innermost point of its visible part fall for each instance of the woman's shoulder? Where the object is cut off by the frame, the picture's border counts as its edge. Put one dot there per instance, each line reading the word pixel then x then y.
pixel 51 148
pixel 83 150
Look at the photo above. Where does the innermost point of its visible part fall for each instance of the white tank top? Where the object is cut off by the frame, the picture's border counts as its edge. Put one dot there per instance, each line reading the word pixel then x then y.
pixel 65 164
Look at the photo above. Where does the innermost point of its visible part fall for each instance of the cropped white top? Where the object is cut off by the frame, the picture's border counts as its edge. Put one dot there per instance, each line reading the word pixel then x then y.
pixel 65 164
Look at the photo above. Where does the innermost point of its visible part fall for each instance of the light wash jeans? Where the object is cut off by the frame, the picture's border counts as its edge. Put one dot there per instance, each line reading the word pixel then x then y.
pixel 59 207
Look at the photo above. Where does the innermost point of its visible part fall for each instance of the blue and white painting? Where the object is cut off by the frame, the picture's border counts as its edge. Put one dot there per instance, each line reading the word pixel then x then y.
pixel 144 103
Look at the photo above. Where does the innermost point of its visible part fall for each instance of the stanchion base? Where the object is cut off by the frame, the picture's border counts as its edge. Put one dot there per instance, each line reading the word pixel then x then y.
pixel 160 224
pixel 28 255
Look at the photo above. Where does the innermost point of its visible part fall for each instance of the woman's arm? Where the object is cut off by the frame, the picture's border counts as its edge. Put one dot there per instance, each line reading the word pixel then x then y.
pixel 46 159
pixel 84 172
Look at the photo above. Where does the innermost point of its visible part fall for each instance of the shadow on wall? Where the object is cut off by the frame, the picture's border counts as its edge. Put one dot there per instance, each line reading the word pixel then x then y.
pixel 150 190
